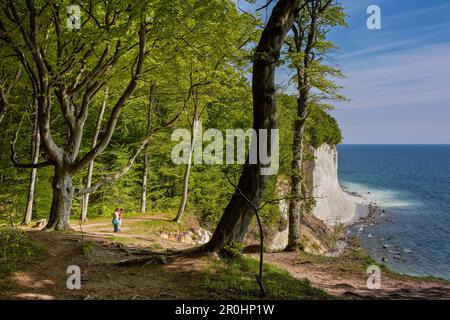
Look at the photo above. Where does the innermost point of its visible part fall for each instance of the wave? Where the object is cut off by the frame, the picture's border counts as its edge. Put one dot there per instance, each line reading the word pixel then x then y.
pixel 383 197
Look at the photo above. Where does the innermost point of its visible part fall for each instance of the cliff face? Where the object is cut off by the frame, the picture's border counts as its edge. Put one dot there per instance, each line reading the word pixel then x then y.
pixel 333 206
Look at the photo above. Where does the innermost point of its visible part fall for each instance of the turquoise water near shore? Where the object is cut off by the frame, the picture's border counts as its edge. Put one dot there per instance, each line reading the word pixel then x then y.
pixel 412 182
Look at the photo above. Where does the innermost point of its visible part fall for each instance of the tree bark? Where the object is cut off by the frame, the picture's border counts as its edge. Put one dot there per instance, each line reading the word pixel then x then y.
pixel 143 207
pixel 151 98
pixel 85 85
pixel 36 141
pixel 187 170
pixel 238 214
pixel 295 204
pixel 63 192
pixel 85 200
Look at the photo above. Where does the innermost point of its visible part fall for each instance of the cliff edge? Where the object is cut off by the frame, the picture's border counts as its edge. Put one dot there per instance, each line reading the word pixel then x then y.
pixel 333 205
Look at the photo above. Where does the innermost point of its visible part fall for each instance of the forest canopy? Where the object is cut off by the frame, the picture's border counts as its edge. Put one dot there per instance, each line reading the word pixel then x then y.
pixel 104 100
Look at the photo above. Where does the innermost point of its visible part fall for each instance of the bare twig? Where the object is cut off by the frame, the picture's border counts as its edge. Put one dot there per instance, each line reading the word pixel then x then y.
pixel 259 278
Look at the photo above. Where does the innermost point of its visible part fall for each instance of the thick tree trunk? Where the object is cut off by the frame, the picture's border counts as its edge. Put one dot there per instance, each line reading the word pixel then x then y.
pixel 85 201
pixel 151 100
pixel 187 170
pixel 238 214
pixel 62 199
pixel 34 158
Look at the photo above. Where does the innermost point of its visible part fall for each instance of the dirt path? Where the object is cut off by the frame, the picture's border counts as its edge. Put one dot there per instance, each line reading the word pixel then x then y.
pixel 340 281
pixel 179 279
pixel 100 279
pixel 104 231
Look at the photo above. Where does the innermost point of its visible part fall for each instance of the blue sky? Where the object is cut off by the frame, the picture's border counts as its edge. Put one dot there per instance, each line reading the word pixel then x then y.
pixel 398 78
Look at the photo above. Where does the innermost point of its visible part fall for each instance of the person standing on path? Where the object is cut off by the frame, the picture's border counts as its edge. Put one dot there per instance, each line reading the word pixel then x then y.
pixel 120 213
pixel 115 220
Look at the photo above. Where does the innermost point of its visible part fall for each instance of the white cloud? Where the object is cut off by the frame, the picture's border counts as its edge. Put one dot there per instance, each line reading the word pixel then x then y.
pixel 400 79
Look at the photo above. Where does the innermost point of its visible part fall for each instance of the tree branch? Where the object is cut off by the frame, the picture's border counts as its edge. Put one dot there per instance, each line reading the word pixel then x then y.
pixel 118 174
pixel 122 171
pixel 4 93
pixel 13 154
pixel 111 125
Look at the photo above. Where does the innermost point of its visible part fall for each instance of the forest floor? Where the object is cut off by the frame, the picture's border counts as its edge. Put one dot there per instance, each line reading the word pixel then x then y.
pixel 99 250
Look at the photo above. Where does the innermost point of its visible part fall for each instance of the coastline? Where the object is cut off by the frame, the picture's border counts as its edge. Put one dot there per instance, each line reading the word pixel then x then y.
pixel 363 208
pixel 367 213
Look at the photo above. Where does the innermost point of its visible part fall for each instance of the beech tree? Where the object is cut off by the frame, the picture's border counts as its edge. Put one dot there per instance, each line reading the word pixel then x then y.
pixel 239 212
pixel 34 154
pixel 69 68
pixel 150 112
pixel 307 49
pixel 211 63
pixel 98 127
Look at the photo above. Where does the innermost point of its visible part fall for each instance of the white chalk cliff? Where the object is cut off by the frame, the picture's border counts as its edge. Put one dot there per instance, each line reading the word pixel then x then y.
pixel 321 175
pixel 333 205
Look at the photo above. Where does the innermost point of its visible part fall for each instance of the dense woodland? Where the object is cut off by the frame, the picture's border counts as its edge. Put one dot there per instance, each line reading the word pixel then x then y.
pixel 87 114
pixel 91 94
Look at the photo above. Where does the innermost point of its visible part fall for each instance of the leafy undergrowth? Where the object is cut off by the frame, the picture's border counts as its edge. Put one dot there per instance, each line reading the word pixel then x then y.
pixel 235 279
pixel 16 249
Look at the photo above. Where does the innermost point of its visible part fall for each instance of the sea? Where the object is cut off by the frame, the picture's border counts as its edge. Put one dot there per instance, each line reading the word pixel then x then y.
pixel 412 184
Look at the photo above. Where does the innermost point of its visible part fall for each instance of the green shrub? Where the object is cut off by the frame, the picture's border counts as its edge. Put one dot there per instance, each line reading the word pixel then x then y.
pixel 16 248
pixel 233 250
pixel 235 279
pixel 88 247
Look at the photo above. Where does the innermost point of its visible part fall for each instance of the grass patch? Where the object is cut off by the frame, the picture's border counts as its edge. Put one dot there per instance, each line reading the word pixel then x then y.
pixel 152 227
pixel 426 279
pixel 88 247
pixel 16 249
pixel 123 240
pixel 156 246
pixel 306 257
pixel 235 279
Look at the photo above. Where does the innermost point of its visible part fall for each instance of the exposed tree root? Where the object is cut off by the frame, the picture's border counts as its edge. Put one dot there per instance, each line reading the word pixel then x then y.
pixel 153 259
pixel 162 257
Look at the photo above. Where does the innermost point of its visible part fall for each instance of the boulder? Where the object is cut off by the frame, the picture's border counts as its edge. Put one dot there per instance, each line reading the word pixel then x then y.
pixel 279 241
pixel 40 223
pixel 202 235
pixel 187 237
